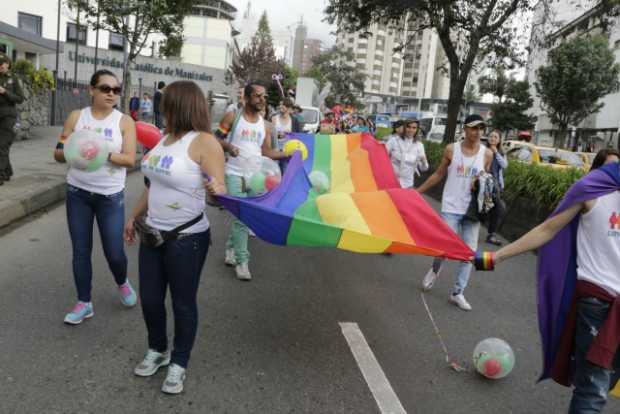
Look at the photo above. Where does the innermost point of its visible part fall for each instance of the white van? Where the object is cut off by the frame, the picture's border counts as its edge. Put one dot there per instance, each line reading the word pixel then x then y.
pixel 434 127
pixel 311 119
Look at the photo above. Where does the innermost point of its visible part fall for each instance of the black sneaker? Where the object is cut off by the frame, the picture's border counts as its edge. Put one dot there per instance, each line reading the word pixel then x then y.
pixel 491 239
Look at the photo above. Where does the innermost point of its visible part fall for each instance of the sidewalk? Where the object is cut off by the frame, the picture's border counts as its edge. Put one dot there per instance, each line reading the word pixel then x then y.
pixel 38 180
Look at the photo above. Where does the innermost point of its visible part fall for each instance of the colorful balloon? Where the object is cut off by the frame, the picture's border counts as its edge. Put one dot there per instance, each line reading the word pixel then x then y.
pixel 147 134
pixel 293 145
pixel 262 174
pixel 256 183
pixel 272 181
pixel 319 181
pixel 86 150
pixel 493 358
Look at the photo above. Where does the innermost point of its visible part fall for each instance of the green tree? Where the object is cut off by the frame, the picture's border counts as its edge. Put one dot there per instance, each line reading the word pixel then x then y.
pixel 257 61
pixel 496 84
pixel 511 111
pixel 580 72
pixel 337 67
pixel 135 20
pixel 466 29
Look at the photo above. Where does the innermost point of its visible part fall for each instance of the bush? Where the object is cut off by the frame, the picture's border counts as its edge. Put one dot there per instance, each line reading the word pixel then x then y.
pixel 543 185
pixel 39 80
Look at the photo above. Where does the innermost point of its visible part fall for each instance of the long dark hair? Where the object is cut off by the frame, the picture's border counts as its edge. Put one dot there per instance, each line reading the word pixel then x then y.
pixel 185 108
pixel 408 122
pixel 94 80
pixel 601 157
pixel 499 143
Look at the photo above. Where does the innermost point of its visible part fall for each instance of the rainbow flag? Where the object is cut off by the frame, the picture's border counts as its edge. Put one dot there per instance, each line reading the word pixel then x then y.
pixel 365 210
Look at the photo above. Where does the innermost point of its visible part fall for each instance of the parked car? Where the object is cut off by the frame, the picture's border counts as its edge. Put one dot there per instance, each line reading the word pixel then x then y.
pixel 544 156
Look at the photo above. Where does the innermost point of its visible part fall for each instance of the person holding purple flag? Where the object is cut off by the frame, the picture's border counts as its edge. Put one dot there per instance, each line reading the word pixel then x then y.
pixel 579 288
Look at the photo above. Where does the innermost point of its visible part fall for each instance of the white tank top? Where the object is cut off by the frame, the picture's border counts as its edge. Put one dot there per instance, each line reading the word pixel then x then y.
pixel 249 138
pixel 282 128
pixel 177 194
pixel 598 244
pixel 110 178
pixel 461 172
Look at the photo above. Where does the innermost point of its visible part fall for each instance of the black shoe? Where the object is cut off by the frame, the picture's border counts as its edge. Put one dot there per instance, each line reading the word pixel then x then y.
pixel 491 239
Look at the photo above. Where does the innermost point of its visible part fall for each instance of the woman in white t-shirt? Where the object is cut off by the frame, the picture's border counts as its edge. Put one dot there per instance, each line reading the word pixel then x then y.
pixel 182 165
pixel 407 154
pixel 99 194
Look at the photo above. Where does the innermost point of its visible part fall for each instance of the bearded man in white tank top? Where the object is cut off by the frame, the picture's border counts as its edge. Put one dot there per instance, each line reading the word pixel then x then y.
pixel 244 137
pixel 462 162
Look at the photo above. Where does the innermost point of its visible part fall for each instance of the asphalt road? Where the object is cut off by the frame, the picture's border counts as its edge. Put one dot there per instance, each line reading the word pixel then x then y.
pixel 273 345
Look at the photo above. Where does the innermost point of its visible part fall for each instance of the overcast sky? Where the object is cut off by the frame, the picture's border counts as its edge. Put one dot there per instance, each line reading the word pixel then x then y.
pixel 283 13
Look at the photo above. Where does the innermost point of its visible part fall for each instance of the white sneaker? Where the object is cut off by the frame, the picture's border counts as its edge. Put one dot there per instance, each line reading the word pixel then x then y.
pixel 251 233
pixel 243 272
pixel 460 301
pixel 229 258
pixel 173 384
pixel 429 279
pixel 153 360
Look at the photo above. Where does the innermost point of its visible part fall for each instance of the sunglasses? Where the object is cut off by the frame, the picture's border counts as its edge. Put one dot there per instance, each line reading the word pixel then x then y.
pixel 106 89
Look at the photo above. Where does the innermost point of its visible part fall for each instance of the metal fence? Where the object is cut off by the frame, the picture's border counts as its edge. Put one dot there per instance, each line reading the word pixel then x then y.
pixel 69 97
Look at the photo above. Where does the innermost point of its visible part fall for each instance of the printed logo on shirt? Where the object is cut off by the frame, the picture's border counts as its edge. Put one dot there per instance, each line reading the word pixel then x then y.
pixel 174 206
pixel 250 135
pixel 157 163
pixel 614 225
pixel 466 172
pixel 106 133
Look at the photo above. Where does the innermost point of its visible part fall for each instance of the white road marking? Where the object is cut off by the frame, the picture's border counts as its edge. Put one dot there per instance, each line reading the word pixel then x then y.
pixel 378 383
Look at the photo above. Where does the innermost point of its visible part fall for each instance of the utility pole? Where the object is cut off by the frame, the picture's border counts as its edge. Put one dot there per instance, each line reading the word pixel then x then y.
pixel 77 42
pixel 97 36
pixel 55 92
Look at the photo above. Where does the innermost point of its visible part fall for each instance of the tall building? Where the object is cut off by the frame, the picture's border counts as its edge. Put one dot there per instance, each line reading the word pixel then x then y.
pixel 298 49
pixel 412 72
pixel 283 42
pixel 312 48
pixel 207 33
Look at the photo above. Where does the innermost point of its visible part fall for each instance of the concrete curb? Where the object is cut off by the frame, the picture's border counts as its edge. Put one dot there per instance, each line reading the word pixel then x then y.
pixel 39 198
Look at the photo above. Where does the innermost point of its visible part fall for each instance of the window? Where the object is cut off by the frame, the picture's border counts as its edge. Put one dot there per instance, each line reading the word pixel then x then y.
pixel 72 34
pixel 116 42
pixel 30 23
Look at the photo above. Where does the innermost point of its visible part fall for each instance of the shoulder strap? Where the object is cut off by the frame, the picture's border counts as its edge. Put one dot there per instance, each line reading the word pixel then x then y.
pixel 231 133
pixel 170 234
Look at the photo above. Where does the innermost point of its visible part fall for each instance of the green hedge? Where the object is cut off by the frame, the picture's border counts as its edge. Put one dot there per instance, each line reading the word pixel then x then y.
pixel 543 185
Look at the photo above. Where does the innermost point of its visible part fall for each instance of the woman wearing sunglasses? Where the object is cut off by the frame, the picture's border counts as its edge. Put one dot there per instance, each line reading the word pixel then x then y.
pixel 99 194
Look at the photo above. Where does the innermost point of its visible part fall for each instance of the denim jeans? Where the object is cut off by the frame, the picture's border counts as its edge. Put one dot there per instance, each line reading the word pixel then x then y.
pixel 238 237
pixel 592 383
pixel 82 208
pixel 177 264
pixel 468 231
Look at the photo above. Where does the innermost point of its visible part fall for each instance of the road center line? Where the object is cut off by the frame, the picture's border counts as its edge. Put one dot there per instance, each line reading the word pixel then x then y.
pixel 378 383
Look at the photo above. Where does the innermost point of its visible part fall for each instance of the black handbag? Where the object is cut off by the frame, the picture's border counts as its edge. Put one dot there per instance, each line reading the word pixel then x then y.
pixel 153 237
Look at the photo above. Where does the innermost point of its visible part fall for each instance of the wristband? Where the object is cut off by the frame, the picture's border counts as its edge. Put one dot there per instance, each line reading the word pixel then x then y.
pixel 484 261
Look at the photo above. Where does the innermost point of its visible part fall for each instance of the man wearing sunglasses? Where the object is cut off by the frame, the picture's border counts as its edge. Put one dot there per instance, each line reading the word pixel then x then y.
pixel 462 162
pixel 243 136
pixel 10 95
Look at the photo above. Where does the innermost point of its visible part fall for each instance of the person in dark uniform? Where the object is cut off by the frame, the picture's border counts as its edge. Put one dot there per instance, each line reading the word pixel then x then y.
pixel 10 95
pixel 158 119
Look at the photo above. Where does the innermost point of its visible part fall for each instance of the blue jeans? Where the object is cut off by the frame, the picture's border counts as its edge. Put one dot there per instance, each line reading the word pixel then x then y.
pixel 592 383
pixel 82 208
pixel 176 264
pixel 468 231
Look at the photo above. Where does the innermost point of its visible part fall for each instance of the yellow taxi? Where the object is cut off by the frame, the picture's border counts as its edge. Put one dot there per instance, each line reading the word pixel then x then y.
pixel 545 156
